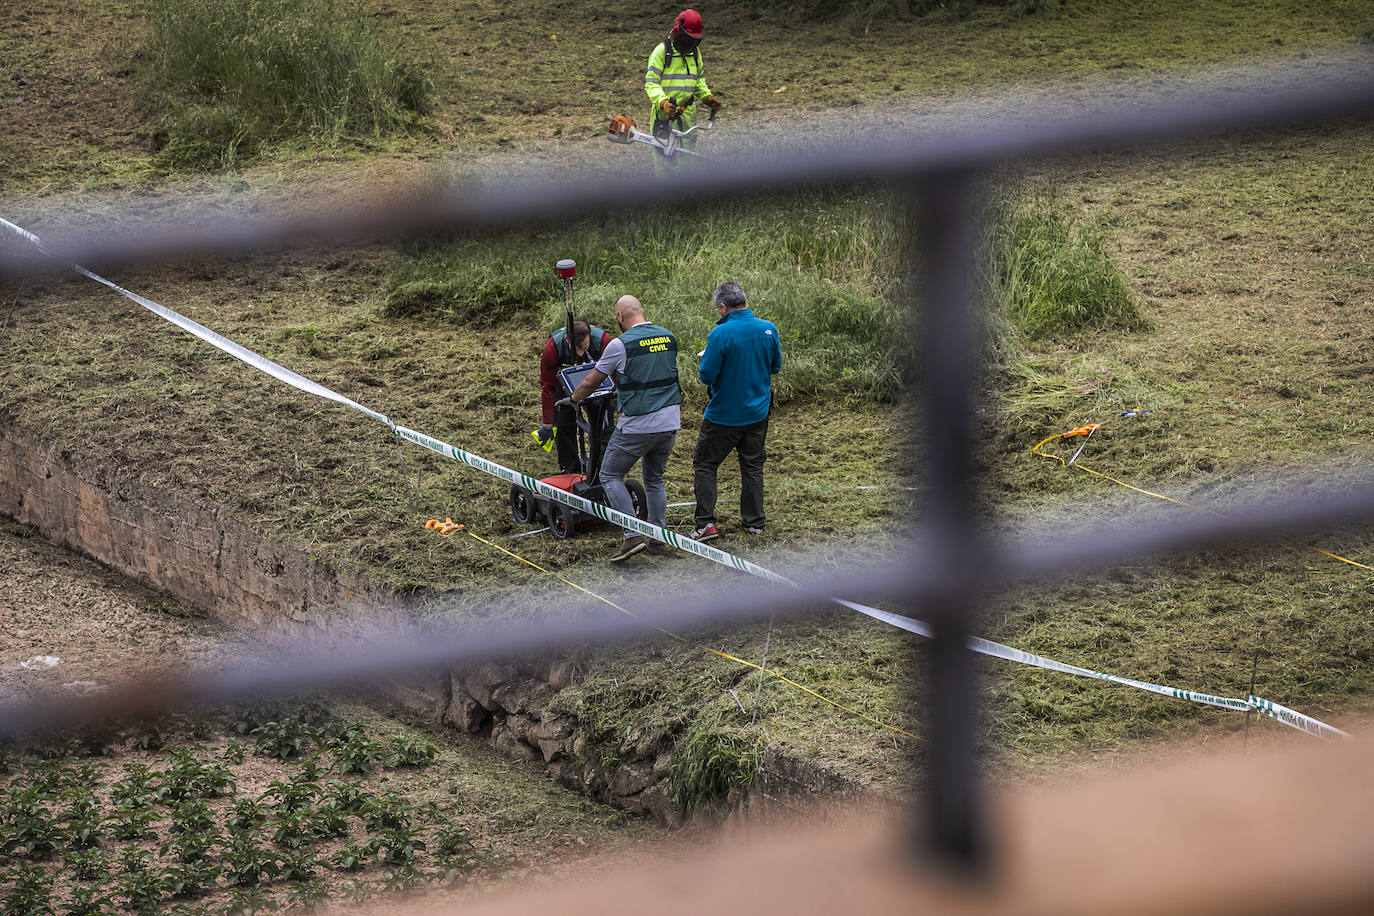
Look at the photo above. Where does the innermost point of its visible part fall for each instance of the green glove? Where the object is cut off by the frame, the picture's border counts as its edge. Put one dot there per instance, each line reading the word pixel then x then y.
pixel 544 436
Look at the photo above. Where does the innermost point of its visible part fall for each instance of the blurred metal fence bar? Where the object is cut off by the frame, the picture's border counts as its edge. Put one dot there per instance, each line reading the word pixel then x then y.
pixel 955 569
pixel 943 226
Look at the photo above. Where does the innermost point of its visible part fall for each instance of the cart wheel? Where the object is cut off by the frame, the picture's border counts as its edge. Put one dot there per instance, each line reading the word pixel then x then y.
pixel 562 521
pixel 637 499
pixel 522 504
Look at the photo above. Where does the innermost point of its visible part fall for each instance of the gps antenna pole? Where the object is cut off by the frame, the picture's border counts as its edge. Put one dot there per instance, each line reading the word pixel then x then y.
pixel 567 269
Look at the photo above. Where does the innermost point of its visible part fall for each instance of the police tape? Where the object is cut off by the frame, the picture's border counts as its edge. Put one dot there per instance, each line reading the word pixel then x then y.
pixel 1275 711
pixel 1282 714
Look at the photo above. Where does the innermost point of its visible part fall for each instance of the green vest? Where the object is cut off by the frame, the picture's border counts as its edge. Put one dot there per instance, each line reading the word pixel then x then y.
pixel 649 380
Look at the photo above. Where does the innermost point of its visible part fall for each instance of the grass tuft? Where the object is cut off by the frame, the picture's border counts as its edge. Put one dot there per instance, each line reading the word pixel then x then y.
pixel 713 759
pixel 1052 273
pixel 226 77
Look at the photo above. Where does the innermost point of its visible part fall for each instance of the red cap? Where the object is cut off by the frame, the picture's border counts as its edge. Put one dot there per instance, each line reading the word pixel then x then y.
pixel 689 21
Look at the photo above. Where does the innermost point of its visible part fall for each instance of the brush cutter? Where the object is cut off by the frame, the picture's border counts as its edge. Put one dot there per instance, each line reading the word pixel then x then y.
pixel 623 130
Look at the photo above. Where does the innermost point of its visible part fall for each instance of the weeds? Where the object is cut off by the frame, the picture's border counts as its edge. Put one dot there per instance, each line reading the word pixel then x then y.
pixel 1052 274
pixel 228 77
pixel 711 761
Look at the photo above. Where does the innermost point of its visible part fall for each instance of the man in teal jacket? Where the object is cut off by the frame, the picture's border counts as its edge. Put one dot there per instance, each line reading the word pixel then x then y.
pixel 674 82
pixel 742 355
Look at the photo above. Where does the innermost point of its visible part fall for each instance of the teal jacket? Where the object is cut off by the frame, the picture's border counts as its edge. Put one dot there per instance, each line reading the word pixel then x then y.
pixel 742 355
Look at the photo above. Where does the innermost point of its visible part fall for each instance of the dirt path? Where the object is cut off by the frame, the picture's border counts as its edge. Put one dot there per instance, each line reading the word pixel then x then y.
pixel 70 626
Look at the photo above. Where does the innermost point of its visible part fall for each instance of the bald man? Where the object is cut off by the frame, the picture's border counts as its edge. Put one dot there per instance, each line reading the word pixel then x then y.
pixel 643 363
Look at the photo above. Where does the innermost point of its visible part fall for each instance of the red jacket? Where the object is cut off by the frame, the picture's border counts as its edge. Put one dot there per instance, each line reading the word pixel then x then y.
pixel 548 376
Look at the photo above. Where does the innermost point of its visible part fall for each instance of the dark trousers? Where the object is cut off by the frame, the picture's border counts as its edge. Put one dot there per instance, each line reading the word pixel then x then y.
pixel 565 441
pixel 714 442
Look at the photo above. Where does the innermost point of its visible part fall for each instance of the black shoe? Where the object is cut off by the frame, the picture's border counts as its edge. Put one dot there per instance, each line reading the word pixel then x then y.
pixel 656 549
pixel 629 547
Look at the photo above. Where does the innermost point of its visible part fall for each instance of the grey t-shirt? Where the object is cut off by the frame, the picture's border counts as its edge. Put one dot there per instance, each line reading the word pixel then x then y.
pixel 663 420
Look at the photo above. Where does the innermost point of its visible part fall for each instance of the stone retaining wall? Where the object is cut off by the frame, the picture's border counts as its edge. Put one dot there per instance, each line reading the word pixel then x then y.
pixel 184 547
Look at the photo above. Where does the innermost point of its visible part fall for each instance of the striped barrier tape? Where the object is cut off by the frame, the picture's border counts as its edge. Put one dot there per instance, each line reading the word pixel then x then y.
pixel 1275 711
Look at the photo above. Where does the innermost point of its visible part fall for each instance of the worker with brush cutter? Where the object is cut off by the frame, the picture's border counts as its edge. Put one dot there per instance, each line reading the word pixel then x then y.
pixel 675 83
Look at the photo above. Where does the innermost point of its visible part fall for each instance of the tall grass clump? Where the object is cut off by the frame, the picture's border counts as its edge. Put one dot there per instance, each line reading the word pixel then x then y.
pixel 226 77
pixel 825 266
pixel 711 761
pixel 1051 273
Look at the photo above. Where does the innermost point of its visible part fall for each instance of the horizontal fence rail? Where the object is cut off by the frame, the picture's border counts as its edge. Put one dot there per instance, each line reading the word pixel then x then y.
pixel 953 563
pixel 1274 96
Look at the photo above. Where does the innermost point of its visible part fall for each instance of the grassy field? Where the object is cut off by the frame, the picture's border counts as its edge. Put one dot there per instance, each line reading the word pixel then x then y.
pixel 1249 257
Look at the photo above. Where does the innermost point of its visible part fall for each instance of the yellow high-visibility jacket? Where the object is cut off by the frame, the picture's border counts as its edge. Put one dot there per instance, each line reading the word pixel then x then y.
pixel 681 81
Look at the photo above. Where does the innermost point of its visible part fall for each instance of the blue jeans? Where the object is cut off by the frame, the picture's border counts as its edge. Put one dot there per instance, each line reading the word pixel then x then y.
pixel 621 453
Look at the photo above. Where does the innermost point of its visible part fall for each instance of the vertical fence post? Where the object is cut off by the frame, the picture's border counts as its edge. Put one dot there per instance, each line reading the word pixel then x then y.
pixel 953 831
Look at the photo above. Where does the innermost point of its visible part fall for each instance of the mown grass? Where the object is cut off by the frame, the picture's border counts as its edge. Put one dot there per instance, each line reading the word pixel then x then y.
pixel 226 77
pixel 1247 259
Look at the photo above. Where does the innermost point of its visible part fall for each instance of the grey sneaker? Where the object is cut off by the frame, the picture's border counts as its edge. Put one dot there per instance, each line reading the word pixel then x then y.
pixel 754 530
pixel 629 547
pixel 706 532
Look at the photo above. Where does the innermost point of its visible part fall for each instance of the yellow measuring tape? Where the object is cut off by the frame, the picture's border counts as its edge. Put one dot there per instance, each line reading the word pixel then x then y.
pixel 1092 428
pixel 683 639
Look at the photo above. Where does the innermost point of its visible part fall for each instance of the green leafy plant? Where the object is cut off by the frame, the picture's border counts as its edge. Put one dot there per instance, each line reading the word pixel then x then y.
pixel 247 813
pixel 353 856
pixel 299 865
pixel 248 901
pixel 307 896
pixel 452 844
pixel 188 778
pixel 398 845
pixel 150 735
pixel 282 740
pixel 89 901
pixel 135 790
pixel 389 811
pixel 192 816
pixel 87 864
pixel 31 828
pixel 85 825
pixel 292 796
pixel 409 750
pixel 234 752
pixel 329 820
pixel 356 753
pixel 311 768
pixel 349 795
pixel 132 823
pixel 30 892
pixel 245 863
pixel 192 845
pixel 140 886
pixel 190 879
